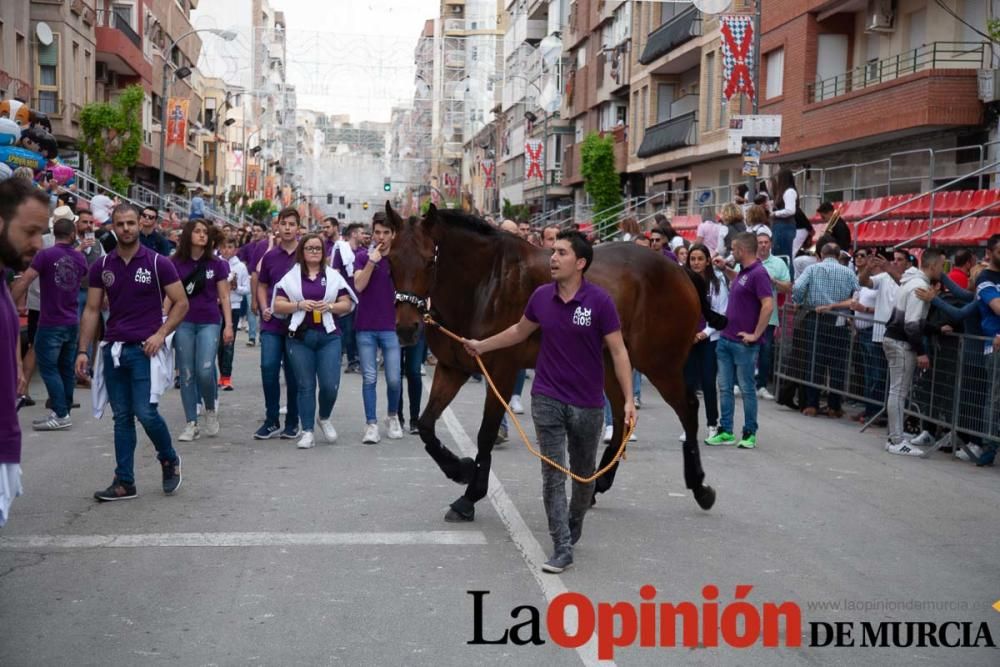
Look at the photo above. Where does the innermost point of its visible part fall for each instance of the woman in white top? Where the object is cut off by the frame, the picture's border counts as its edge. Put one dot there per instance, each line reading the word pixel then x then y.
pixel 783 214
pixel 701 368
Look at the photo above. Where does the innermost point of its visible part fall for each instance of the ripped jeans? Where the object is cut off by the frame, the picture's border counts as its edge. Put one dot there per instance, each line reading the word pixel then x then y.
pixel 196 347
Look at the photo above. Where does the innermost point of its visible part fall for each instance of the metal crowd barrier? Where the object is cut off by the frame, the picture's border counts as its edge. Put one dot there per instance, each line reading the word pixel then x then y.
pixel 958 394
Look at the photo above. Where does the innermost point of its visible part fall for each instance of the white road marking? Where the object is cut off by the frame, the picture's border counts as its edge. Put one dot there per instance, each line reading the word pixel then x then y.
pixel 431 537
pixel 522 536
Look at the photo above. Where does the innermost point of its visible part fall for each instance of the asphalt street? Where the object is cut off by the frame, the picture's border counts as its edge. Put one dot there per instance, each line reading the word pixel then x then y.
pixel 269 555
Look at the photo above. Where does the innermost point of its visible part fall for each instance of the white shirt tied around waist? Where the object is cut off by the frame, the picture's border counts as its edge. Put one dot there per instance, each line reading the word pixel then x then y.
pixel 161 373
pixel 291 284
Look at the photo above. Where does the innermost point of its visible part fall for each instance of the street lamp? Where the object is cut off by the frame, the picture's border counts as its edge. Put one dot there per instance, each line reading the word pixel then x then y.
pixel 180 73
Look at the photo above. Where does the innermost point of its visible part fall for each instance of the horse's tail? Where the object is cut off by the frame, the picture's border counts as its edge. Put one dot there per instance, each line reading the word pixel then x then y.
pixel 717 321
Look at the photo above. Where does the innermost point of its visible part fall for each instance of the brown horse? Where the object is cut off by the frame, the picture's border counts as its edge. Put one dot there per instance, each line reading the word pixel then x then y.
pixel 479 280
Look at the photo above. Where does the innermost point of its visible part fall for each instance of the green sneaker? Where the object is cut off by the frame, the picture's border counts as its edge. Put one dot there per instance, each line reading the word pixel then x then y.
pixel 721 438
pixel 749 442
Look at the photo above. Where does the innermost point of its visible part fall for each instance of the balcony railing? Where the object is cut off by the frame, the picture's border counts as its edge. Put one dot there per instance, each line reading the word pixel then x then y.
pixel 49 104
pixel 109 19
pixel 681 28
pixel 936 55
pixel 670 134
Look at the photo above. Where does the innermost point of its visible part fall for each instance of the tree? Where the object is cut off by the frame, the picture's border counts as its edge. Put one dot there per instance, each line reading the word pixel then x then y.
pixel 515 211
pixel 261 209
pixel 111 137
pixel 600 177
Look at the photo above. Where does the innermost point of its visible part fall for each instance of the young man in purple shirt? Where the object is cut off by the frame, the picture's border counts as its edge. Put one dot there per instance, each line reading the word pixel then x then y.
pixel 135 281
pixel 577 319
pixel 749 310
pixel 273 266
pixel 24 217
pixel 375 327
pixel 248 254
pixel 342 259
pixel 59 270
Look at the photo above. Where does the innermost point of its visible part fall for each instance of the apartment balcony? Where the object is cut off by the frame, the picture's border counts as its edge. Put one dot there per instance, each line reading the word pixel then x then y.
pixel 680 29
pixel 120 46
pixel 669 135
pixel 578 25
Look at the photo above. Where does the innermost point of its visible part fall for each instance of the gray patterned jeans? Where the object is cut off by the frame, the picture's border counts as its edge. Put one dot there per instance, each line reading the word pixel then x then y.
pixel 555 423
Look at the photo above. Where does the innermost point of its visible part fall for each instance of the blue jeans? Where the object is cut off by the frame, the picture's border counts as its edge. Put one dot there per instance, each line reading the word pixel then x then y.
pixel 783 239
pixel 226 351
pixel 736 363
pixel 55 352
pixel 368 342
pixel 875 370
pixel 274 354
pixel 412 360
pixel 196 347
pixel 251 323
pixel 317 358
pixel 128 393
pixel 636 384
pixel 348 336
pixel 522 375
pixel 700 372
pixel 766 357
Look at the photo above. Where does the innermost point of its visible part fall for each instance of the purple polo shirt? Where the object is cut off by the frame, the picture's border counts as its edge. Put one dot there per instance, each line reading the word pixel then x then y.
pixel 135 293
pixel 570 366
pixel 10 331
pixel 669 254
pixel 255 252
pixel 314 289
pixel 751 286
pixel 377 304
pixel 203 308
pixel 60 270
pixel 273 267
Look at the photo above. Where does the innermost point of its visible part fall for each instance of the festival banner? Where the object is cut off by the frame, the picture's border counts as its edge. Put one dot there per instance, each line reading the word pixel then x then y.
pixel 234 160
pixel 489 167
pixel 533 151
pixel 269 190
pixel 252 180
pixel 451 185
pixel 737 55
pixel 177 118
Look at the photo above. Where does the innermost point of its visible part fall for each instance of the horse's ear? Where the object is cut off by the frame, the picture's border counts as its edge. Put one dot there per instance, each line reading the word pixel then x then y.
pixel 394 220
pixel 430 217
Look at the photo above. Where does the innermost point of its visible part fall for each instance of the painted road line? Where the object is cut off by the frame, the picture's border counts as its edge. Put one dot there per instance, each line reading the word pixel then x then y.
pixel 523 538
pixel 414 538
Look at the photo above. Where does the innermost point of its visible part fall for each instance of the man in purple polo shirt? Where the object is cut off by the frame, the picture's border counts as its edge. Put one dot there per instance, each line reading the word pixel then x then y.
pixel 749 311
pixel 59 270
pixel 24 217
pixel 273 266
pixel 375 327
pixel 135 281
pixel 250 254
pixel 342 259
pixel 577 319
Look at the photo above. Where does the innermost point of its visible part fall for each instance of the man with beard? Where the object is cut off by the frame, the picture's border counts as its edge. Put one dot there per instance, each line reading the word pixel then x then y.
pixel 24 217
pixel 331 234
pixel 135 280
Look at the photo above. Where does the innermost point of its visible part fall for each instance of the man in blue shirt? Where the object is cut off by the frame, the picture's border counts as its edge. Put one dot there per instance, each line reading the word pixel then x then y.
pixel 988 295
pixel 149 237
pixel 197 205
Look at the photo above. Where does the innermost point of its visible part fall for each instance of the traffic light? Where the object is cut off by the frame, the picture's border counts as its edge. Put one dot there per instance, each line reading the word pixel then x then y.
pixel 342 200
pixel 329 198
pixel 364 205
pixel 387 186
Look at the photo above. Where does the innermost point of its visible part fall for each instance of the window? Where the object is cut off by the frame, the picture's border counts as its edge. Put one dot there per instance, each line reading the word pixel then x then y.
pixel 21 57
pixel 123 12
pixel 664 100
pixel 86 77
pixel 707 123
pixel 645 106
pixel 775 64
pixel 668 10
pixel 47 78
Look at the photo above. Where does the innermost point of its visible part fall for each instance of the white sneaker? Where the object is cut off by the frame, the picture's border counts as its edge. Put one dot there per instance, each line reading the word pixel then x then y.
pixel 925 439
pixel 306 441
pixel 633 437
pixel 736 390
pixel 765 394
pixel 713 431
pixel 283 410
pixel 976 450
pixel 371 435
pixel 682 436
pixel 905 448
pixel 189 433
pixel 608 432
pixel 329 432
pixel 395 431
pixel 515 405
pixel 211 423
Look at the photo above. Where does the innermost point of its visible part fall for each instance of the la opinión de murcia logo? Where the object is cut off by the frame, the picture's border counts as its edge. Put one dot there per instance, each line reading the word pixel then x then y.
pixel 737 623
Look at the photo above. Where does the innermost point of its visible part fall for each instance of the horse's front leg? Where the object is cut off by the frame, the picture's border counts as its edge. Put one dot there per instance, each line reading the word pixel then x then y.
pixel 464 508
pixel 447 382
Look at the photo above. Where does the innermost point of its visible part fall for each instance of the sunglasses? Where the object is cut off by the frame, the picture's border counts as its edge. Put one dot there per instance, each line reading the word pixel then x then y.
pixel 149 217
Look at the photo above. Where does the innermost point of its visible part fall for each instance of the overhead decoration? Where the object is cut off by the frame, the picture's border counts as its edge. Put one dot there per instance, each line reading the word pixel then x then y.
pixel 533 149
pixel 737 55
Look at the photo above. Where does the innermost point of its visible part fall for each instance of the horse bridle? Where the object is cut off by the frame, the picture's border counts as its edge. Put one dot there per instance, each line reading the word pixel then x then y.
pixel 420 302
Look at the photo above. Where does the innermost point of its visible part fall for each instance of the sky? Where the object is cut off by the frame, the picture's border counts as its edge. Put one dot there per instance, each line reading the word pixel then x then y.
pixel 344 56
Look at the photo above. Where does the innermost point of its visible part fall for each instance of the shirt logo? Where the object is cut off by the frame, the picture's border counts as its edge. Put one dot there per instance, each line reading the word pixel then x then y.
pixel 210 274
pixel 323 282
pixel 144 276
pixel 66 276
pixel 581 317
pixel 108 278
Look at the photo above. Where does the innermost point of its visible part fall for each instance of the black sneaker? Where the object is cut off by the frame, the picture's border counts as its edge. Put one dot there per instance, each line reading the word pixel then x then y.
pixel 251 342
pixel 575 530
pixel 291 432
pixel 171 475
pixel 266 432
pixel 558 563
pixel 117 491
pixel 414 427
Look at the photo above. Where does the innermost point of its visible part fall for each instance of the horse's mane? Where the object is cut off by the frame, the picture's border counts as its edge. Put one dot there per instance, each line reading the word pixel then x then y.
pixel 467 221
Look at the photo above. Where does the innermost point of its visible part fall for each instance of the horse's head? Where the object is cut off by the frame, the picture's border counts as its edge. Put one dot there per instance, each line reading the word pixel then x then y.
pixel 412 263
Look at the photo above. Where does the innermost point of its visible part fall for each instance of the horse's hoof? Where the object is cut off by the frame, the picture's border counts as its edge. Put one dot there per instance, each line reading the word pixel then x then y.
pixel 705 496
pixel 460 511
pixel 454 517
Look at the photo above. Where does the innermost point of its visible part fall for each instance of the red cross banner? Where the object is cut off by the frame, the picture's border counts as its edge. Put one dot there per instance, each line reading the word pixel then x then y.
pixel 737 55
pixel 488 168
pixel 177 115
pixel 451 182
pixel 533 149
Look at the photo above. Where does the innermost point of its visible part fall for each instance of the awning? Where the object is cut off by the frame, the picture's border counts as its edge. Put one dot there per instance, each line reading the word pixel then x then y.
pixel 672 34
pixel 670 134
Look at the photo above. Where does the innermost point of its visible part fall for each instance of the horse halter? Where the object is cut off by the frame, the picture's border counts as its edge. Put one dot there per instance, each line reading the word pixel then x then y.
pixel 420 302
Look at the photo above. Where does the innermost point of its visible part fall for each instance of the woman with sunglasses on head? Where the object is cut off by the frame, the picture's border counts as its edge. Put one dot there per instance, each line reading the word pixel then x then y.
pixel 205 278
pixel 314 295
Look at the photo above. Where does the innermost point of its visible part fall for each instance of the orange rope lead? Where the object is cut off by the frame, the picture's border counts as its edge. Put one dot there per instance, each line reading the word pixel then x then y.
pixel 619 455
